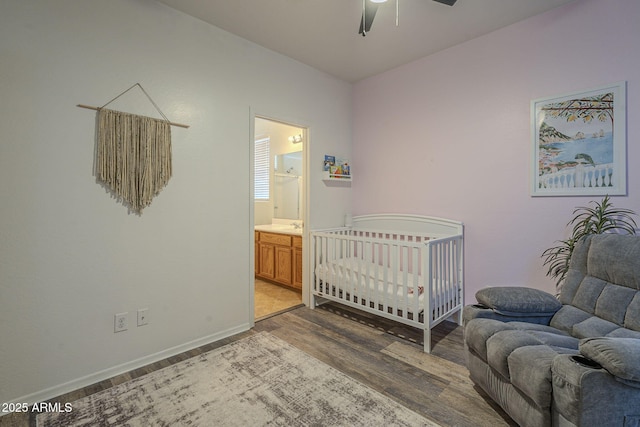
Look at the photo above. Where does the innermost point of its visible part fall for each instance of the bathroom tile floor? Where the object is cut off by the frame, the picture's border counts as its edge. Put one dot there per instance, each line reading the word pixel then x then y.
pixel 270 299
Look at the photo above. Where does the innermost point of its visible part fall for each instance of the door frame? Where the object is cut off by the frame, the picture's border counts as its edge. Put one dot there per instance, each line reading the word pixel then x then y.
pixel 305 200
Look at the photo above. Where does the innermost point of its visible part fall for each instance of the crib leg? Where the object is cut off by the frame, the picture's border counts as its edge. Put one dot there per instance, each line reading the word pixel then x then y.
pixel 427 340
pixel 458 317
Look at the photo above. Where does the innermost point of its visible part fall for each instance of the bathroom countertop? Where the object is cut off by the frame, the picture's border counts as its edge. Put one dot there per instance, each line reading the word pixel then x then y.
pixel 279 228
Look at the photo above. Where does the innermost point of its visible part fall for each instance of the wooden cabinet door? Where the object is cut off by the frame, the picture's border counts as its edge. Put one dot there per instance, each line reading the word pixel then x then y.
pixel 279 258
pixel 267 261
pixel 297 268
pixel 297 262
pixel 284 269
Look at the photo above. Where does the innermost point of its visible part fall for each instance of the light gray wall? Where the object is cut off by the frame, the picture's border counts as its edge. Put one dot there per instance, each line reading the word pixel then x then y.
pixel 70 255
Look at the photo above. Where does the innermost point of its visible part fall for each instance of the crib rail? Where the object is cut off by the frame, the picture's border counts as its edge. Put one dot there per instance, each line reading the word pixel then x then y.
pixel 446 278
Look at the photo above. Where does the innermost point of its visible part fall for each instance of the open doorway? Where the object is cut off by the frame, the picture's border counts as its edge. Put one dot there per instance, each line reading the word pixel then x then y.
pixel 279 212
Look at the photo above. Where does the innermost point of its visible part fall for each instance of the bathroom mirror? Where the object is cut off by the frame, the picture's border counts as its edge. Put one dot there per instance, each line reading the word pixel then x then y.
pixel 287 186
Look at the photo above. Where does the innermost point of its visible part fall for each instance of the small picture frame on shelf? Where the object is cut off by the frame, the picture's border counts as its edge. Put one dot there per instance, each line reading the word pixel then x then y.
pixel 343 164
pixel 329 161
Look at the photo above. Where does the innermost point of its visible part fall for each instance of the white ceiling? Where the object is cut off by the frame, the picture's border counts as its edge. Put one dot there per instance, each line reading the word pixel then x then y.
pixel 324 33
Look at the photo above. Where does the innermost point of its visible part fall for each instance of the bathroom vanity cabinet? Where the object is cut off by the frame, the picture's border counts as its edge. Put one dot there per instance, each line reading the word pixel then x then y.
pixel 279 258
pixel 297 262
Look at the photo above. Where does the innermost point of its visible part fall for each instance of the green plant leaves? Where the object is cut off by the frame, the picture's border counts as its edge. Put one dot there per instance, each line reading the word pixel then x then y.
pixel 601 218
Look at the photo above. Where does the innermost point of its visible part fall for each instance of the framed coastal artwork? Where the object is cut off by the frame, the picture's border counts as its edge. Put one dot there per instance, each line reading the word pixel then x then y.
pixel 579 143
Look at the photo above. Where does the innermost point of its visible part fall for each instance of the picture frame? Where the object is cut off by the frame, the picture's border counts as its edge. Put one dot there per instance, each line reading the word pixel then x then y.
pixel 579 143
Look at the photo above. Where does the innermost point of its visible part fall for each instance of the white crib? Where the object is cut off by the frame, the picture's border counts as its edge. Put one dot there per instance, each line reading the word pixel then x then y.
pixel 407 268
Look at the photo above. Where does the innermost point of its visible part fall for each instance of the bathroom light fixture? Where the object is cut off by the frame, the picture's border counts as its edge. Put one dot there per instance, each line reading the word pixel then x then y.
pixel 295 139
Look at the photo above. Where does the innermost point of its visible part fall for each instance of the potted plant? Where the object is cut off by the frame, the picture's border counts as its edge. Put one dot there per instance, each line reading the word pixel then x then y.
pixel 602 218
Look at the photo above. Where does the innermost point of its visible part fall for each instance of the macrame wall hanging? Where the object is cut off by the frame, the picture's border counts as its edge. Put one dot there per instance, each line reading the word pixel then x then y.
pixel 133 156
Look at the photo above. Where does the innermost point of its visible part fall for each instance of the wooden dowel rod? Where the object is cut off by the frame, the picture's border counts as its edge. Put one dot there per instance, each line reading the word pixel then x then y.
pixel 89 107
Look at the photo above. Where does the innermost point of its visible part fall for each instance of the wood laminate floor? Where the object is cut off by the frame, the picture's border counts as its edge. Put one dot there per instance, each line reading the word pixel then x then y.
pixel 388 357
pixel 382 354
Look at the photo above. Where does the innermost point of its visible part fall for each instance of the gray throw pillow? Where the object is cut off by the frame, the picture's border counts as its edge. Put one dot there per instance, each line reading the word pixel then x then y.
pixel 518 301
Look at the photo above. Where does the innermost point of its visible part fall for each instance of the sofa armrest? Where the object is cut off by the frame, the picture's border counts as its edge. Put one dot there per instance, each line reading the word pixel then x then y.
pixel 518 301
pixel 586 394
pixel 619 356
pixel 513 304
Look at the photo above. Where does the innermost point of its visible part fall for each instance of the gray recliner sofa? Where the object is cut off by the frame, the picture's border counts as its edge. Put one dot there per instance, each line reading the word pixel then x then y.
pixel 567 361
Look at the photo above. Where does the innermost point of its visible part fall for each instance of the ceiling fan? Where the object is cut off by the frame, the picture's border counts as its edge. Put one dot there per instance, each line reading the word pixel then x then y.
pixel 370 7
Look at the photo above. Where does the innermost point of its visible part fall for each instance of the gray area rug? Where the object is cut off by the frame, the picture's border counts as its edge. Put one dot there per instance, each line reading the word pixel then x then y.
pixel 259 380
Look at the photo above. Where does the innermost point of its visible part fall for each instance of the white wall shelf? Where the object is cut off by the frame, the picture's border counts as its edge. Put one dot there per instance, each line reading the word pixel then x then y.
pixel 328 176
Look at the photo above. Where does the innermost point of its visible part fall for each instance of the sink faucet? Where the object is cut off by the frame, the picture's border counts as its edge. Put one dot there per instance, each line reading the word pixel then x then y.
pixel 296 225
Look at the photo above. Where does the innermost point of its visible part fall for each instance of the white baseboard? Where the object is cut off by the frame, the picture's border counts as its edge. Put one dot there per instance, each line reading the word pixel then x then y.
pixel 51 392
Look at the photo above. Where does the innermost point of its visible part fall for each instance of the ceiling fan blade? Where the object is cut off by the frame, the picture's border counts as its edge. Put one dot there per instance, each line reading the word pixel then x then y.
pixel 447 2
pixel 368 14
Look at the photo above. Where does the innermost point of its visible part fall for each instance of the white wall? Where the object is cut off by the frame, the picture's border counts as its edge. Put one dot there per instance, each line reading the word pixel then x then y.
pixel 449 135
pixel 71 256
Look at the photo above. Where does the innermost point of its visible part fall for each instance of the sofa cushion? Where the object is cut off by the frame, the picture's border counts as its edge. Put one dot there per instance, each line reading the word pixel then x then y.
pixel 593 327
pixel 587 294
pixel 581 324
pixel 568 316
pixel 632 318
pixel 478 331
pixel 530 371
pixel 614 258
pixel 577 270
pixel 613 302
pixel 502 344
pixel 624 333
pixel 603 281
pixel 514 301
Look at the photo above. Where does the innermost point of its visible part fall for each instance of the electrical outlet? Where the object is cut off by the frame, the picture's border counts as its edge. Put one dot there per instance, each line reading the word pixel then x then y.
pixel 120 322
pixel 143 316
